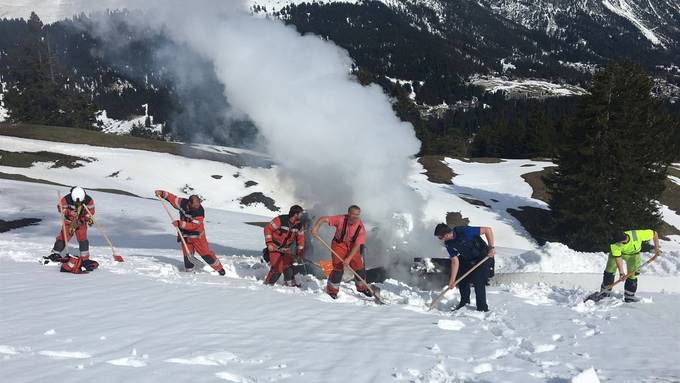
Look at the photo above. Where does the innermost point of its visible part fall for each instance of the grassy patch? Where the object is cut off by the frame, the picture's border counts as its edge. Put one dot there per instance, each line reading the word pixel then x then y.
pixel 27 159
pixel 436 170
pixel 94 138
pixel 535 180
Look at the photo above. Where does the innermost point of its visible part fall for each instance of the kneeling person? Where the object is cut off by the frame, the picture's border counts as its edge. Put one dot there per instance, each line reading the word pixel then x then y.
pixel 279 235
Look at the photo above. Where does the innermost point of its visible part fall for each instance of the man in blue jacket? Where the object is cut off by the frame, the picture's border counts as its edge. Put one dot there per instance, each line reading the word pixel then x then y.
pixel 466 248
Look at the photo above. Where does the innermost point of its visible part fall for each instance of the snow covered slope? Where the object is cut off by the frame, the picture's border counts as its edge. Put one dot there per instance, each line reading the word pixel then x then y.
pixel 498 186
pixel 145 321
pixel 141 172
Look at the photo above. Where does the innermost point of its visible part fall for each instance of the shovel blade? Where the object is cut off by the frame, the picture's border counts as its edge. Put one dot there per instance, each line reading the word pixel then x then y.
pixel 376 295
pixel 596 296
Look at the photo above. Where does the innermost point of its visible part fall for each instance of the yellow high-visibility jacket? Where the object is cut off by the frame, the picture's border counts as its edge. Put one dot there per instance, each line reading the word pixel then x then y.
pixel 634 245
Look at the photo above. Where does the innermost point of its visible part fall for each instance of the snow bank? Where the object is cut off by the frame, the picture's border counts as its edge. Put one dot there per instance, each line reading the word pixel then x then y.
pixel 113 126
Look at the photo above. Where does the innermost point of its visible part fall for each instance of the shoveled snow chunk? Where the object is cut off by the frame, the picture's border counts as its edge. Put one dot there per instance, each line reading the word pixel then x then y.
pixel 452 325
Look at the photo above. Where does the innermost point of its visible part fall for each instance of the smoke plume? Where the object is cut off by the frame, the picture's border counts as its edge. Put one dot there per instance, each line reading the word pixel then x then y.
pixel 337 142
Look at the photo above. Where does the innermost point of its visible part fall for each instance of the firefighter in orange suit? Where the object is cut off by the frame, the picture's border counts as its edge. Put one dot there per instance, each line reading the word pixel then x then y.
pixel 280 234
pixel 349 238
pixel 191 225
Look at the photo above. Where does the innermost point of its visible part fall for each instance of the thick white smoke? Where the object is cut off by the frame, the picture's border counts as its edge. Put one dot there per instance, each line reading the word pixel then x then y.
pixel 337 142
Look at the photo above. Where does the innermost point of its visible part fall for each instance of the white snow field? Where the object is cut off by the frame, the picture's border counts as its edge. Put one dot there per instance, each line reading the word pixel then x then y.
pixel 145 320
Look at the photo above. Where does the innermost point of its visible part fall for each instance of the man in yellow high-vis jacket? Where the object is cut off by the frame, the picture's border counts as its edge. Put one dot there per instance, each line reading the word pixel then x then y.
pixel 626 246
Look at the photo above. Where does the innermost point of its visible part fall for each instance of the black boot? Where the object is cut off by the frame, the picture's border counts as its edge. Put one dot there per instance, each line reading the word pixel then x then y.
pixel 188 266
pixel 630 288
pixel 461 304
pixel 607 280
pixel 53 257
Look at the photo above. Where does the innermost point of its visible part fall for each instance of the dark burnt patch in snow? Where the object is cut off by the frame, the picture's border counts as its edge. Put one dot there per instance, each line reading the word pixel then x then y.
pixel 257 197
pixel 6 226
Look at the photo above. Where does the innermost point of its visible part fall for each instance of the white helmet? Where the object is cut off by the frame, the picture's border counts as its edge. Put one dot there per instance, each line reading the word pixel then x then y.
pixel 77 194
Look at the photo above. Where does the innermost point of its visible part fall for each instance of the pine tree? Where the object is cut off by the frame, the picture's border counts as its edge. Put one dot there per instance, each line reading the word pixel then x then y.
pixel 38 91
pixel 612 162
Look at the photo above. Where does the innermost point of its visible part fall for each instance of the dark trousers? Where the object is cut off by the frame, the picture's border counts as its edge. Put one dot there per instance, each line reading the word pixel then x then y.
pixel 478 278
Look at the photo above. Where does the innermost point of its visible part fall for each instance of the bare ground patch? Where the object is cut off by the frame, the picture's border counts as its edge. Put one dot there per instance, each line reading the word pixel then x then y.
pixel 538 222
pixel 537 183
pixel 28 159
pixel 436 170
pixel 94 138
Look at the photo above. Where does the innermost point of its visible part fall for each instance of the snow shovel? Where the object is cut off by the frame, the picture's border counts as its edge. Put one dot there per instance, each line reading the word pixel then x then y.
pixel 116 257
pixel 599 295
pixel 63 222
pixel 441 295
pixel 375 292
pixel 179 233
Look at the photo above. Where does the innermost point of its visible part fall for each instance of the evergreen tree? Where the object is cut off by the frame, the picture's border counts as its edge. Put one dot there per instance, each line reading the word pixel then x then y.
pixel 612 162
pixel 38 91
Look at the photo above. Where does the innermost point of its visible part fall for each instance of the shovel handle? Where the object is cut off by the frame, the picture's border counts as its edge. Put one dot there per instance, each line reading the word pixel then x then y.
pixel 353 272
pixel 441 295
pixel 179 233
